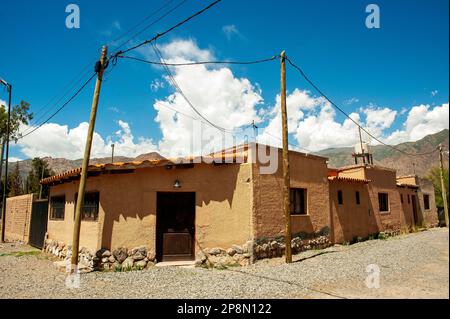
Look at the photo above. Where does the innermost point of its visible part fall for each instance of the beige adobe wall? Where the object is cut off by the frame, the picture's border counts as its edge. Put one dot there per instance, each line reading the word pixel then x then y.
pixel 383 180
pixel 127 216
pixel 410 180
pixel 308 172
pixel 350 220
pixel 18 218
pixel 430 216
pixel 357 172
pixel 62 230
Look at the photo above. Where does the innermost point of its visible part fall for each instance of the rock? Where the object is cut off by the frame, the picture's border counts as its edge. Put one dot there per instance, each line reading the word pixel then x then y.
pixel 141 264
pixel 231 252
pixel 151 256
pixel 216 251
pixel 150 264
pixel 128 263
pixel 105 260
pixel 238 249
pixel 120 254
pixel 138 256
pixel 106 267
pixel 111 259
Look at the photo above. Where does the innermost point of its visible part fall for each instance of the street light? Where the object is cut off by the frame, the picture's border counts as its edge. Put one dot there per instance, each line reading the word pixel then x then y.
pixel 9 89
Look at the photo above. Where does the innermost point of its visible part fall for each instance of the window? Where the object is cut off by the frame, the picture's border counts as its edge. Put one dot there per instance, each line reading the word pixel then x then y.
pixel 89 210
pixel 401 198
pixel 340 198
pixel 358 200
pixel 298 201
pixel 57 207
pixel 383 202
pixel 426 201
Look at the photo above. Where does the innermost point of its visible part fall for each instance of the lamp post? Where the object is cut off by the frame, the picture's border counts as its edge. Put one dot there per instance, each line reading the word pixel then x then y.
pixel 9 89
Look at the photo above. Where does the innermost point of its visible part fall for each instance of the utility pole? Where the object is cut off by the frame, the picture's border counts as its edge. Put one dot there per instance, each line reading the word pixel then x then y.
pixel 362 148
pixel 5 186
pixel 99 68
pixel 443 188
pixel 286 175
pixel 112 153
pixel 42 177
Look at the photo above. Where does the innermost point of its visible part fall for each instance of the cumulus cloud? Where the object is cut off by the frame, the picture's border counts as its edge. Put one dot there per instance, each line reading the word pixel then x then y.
pixel 422 120
pixel 378 119
pixel 217 94
pixel 230 31
pixel 57 140
pixel 351 101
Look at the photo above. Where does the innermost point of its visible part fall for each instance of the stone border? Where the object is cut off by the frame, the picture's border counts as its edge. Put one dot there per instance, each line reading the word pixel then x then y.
pixel 120 259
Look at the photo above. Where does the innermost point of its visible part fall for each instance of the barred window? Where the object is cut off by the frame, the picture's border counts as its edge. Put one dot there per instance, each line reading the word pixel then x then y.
pixel 89 210
pixel 57 207
pixel 340 198
pixel 358 199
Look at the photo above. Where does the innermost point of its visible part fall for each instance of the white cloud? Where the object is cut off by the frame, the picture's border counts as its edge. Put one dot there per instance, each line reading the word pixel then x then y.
pixel 217 94
pixel 422 120
pixel 156 85
pixel 57 140
pixel 230 31
pixel 14 159
pixel 114 109
pixel 379 119
pixel 434 93
pixel 351 101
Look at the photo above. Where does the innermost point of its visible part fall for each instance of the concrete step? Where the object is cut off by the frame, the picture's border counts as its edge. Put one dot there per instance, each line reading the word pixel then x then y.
pixel 181 264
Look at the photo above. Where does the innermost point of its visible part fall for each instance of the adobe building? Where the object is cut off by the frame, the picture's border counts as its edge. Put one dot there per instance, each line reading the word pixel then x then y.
pixel 226 208
pixel 222 208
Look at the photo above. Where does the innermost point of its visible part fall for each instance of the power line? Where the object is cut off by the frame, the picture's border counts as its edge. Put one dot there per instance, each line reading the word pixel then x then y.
pixel 348 116
pixel 180 91
pixel 199 62
pixel 60 108
pixel 150 24
pixel 168 30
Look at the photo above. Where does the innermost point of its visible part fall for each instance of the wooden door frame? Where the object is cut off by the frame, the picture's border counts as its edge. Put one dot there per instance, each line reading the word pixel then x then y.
pixel 159 232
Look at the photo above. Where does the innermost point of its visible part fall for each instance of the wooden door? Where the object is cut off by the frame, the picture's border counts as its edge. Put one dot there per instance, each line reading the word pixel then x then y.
pixel 175 226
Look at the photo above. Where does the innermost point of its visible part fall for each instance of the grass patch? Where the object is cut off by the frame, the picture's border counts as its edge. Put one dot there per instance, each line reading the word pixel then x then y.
pixel 21 253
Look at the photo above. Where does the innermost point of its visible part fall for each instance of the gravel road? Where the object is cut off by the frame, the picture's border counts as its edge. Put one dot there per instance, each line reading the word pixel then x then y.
pixel 411 266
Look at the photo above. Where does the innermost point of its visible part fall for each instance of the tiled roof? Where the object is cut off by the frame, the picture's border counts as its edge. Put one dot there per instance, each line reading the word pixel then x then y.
pixel 213 158
pixel 348 179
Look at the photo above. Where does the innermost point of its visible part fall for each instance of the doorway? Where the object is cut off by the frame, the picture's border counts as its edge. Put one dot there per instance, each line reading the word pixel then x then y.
pixel 414 207
pixel 175 226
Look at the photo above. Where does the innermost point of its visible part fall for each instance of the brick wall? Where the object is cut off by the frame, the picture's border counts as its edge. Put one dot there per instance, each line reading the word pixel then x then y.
pixel 18 217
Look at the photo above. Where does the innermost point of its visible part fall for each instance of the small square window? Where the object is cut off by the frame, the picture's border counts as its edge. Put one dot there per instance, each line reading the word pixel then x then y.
pixel 383 202
pixel 426 201
pixel 409 199
pixel 340 198
pixel 298 201
pixel 401 198
pixel 57 207
pixel 89 210
pixel 358 199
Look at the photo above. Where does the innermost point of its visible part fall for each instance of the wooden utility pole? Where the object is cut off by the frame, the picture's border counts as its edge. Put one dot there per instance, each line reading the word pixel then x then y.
pixel 112 153
pixel 100 68
pixel 286 176
pixel 443 188
pixel 362 147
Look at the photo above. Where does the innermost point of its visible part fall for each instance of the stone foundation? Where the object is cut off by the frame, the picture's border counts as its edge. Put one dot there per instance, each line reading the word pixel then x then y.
pixel 120 259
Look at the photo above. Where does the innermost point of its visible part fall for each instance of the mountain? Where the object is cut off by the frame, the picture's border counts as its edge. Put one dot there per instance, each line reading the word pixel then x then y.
pixel 386 156
pixel 383 155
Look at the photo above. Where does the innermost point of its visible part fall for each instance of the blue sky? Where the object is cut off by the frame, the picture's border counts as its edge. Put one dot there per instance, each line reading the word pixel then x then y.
pixel 402 65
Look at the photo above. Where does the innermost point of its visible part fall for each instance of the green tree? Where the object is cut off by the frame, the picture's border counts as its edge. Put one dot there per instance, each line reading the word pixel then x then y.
pixel 15 183
pixel 39 170
pixel 435 176
pixel 20 115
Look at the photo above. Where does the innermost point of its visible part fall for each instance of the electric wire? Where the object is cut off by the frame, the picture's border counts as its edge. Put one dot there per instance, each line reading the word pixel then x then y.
pixel 348 116
pixel 63 106
pixel 159 35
